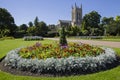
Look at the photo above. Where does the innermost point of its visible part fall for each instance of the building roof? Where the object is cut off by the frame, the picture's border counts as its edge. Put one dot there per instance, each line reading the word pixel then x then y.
pixel 65 21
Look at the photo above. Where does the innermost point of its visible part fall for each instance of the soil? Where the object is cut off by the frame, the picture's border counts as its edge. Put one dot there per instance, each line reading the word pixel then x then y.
pixel 27 73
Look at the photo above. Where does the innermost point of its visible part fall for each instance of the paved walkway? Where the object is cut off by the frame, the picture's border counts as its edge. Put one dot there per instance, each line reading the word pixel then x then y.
pixel 93 42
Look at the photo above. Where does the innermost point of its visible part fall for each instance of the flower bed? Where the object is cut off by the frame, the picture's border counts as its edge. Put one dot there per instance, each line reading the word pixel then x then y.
pixel 61 65
pixel 29 38
pixel 59 51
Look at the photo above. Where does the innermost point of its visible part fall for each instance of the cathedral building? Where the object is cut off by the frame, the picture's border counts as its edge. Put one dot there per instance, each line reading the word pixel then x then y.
pixel 76 16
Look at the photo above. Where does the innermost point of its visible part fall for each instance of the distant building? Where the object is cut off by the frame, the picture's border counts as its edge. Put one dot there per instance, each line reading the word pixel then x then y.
pixel 76 17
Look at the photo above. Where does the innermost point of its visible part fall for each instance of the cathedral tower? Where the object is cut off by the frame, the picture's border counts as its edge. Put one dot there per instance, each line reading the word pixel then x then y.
pixel 76 15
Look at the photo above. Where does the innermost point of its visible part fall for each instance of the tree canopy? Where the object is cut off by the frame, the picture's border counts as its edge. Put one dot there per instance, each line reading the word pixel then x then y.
pixel 90 24
pixel 6 22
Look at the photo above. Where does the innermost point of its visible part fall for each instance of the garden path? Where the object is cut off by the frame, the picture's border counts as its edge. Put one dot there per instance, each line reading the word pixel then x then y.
pixel 94 42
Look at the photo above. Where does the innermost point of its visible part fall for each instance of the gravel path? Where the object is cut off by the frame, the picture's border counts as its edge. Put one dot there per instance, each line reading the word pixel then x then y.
pixel 93 42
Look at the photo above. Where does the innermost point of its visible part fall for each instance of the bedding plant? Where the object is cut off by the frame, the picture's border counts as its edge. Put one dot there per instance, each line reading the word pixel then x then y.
pixel 57 51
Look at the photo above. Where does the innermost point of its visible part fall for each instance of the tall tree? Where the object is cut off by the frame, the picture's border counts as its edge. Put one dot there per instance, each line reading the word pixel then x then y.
pixel 42 29
pixel 91 23
pixel 36 21
pixel 6 22
pixel 31 31
pixel 30 24
pixel 23 27
pixel 107 21
pixel 110 26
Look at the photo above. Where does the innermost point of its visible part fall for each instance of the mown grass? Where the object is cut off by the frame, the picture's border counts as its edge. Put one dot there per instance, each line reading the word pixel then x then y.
pixel 117 50
pixel 114 40
pixel 104 39
pixel 7 45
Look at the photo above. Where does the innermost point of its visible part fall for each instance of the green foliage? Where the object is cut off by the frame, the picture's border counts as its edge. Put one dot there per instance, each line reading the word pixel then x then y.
pixel 72 30
pixel 111 26
pixel 23 27
pixel 36 21
pixel 6 23
pixel 31 31
pixel 30 24
pixel 118 25
pixel 41 29
pixel 4 32
pixel 91 24
pixel 63 40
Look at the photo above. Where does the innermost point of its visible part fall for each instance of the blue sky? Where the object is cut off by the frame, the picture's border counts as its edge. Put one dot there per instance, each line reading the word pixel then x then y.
pixel 50 11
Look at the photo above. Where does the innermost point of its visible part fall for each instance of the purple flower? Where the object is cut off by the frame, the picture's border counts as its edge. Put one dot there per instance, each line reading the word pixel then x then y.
pixel 63 46
pixel 38 44
pixel 30 48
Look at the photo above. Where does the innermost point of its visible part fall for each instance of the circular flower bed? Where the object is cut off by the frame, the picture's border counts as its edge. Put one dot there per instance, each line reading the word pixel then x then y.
pixel 54 59
pixel 56 51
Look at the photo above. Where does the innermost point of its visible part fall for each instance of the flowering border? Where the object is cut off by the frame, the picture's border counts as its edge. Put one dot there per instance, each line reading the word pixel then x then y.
pixel 75 65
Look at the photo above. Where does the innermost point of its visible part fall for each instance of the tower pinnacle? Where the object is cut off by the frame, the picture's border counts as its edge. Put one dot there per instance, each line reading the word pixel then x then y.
pixel 81 6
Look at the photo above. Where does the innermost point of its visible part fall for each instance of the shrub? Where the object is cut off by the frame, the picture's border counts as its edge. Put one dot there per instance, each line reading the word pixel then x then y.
pixel 63 40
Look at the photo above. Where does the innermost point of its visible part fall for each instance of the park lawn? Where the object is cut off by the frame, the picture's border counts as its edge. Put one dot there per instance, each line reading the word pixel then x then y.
pixel 7 45
pixel 115 40
pixel 104 39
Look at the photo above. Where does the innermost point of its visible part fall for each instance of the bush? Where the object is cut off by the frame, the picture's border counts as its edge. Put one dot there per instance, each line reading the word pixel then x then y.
pixel 30 38
pixel 70 65
pixel 63 40
pixel 19 34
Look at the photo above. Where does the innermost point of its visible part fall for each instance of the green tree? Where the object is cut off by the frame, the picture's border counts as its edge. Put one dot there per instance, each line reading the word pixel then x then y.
pixel 91 22
pixel 107 21
pixel 31 31
pixel 63 40
pixel 42 29
pixel 4 32
pixel 112 29
pixel 75 30
pixel 6 22
pixel 111 26
pixel 23 27
pixel 36 22
pixel 30 24
pixel 117 19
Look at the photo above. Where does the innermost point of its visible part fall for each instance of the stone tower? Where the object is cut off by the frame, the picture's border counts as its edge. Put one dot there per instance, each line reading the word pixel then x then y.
pixel 76 15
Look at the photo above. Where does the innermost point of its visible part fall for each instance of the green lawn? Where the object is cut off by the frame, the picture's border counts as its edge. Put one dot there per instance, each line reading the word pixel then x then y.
pixel 114 40
pixel 104 39
pixel 7 45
